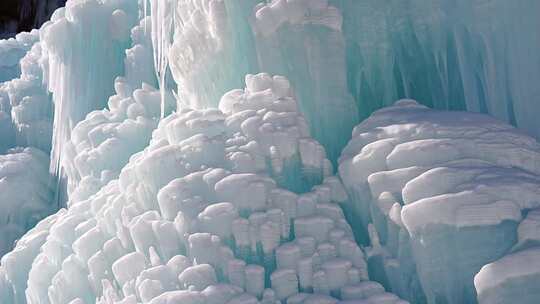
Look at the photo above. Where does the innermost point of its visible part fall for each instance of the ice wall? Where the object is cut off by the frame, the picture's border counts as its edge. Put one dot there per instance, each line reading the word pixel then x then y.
pixel 213 44
pixel 460 55
pixel 102 144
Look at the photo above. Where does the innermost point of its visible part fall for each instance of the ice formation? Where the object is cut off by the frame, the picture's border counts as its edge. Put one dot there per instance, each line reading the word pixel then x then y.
pixel 444 194
pixel 180 188
pixel 11 52
pixel 28 104
pixel 205 213
pixel 74 43
pixel 27 194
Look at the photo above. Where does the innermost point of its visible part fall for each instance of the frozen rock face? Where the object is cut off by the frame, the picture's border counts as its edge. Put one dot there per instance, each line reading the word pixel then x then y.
pixel 204 215
pixel 27 195
pixel 444 194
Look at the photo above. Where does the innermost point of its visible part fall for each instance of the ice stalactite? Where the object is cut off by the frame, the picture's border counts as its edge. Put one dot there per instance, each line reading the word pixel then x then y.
pixel 457 55
pixel 232 198
pixel 212 50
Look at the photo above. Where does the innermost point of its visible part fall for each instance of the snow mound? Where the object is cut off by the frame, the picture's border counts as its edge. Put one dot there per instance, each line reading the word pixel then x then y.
pixel 425 179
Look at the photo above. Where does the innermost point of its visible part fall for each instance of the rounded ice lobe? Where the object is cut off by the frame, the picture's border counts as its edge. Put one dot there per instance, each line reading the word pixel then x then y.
pixel 198 277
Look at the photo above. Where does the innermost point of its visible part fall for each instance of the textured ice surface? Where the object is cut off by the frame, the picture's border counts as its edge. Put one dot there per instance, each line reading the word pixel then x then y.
pixel 445 193
pixel 83 59
pixel 460 55
pixel 514 276
pixel 206 214
pixel 232 198
pixel 11 52
pixel 101 144
pixel 28 104
pixel 27 195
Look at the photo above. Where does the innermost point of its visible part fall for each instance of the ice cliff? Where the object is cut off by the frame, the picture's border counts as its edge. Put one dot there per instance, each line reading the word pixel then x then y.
pixel 244 152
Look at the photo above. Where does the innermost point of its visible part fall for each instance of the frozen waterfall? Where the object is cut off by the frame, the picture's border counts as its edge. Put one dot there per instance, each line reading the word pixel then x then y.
pixel 272 151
